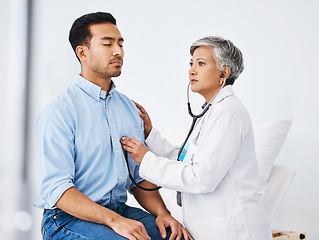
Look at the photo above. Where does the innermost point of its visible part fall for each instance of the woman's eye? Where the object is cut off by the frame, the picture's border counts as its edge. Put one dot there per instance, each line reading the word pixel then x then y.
pixel 201 63
pixel 191 64
pixel 107 44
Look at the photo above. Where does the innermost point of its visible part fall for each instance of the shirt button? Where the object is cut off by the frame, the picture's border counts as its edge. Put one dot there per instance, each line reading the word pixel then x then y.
pixel 121 178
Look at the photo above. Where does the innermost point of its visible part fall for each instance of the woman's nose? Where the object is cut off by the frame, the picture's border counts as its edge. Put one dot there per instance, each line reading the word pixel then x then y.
pixel 191 71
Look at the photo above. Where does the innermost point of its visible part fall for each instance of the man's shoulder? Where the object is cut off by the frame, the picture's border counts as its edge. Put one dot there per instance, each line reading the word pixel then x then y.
pixel 122 95
pixel 62 97
pixel 59 104
pixel 125 99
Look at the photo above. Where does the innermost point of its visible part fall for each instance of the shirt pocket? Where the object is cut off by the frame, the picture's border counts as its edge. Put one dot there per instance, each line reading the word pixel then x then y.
pixel 133 132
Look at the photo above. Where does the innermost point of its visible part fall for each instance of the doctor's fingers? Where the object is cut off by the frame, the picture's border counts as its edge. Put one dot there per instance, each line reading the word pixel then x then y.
pixel 127 148
pixel 139 107
pixel 143 114
pixel 146 119
pixel 131 142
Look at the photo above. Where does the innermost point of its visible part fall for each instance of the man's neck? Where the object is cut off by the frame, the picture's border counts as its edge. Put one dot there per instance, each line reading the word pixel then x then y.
pixel 104 83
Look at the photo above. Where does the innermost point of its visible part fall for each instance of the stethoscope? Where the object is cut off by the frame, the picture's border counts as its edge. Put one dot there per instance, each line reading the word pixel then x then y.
pixel 195 118
pixel 131 177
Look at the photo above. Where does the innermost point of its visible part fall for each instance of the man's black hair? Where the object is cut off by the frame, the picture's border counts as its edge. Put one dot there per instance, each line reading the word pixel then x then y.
pixel 80 31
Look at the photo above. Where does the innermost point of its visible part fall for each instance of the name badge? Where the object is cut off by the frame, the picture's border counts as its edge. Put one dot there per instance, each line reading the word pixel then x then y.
pixel 187 152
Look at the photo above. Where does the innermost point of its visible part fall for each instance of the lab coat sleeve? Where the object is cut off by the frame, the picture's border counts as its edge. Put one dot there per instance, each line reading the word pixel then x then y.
pixel 160 146
pixel 219 143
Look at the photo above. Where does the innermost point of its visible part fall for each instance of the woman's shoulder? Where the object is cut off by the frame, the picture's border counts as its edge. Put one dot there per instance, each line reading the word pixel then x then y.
pixel 231 109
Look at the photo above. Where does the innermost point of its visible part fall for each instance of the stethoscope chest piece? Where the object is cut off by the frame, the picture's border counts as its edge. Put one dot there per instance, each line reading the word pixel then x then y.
pixel 130 175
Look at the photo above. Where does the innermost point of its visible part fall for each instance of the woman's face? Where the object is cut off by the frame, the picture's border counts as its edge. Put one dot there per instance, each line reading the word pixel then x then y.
pixel 204 75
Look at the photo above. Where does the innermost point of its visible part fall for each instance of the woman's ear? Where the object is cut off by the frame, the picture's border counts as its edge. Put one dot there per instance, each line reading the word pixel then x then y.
pixel 225 72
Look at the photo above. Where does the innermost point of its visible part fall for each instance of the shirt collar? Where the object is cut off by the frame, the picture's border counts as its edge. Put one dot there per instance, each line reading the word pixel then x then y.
pixel 92 89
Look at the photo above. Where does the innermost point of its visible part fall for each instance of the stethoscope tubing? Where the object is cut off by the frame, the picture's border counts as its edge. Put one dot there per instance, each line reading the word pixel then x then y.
pixel 196 117
pixel 132 179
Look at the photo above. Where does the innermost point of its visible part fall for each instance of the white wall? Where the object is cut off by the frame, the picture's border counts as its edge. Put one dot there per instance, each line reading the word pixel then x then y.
pixel 279 42
pixel 3 79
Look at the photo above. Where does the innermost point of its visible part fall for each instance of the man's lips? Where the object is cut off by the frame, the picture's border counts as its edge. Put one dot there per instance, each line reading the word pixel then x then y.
pixel 116 62
pixel 193 80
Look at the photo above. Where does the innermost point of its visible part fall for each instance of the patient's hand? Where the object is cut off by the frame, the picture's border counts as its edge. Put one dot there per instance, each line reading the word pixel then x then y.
pixel 135 148
pixel 146 119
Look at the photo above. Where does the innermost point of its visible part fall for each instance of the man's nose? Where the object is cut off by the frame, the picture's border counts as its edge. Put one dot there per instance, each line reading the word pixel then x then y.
pixel 118 51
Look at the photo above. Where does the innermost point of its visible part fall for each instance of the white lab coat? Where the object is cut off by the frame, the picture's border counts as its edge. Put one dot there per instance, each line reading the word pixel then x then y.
pixel 218 183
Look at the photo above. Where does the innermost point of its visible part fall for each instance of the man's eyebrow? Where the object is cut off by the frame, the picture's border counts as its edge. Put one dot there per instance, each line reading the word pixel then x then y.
pixel 112 39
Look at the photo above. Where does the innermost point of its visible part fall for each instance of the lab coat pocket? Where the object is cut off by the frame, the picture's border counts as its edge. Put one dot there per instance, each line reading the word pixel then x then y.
pixel 216 228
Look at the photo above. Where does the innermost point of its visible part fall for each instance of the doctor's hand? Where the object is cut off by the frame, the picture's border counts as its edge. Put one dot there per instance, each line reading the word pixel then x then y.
pixel 135 148
pixel 146 119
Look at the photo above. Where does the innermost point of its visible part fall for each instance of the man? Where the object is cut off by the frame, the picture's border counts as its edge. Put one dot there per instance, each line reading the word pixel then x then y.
pixel 84 179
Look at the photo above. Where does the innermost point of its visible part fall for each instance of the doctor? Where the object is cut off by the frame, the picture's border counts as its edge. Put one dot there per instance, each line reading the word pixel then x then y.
pixel 217 172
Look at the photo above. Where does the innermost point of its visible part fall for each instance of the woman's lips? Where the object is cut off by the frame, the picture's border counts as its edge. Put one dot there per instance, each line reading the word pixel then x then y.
pixel 193 80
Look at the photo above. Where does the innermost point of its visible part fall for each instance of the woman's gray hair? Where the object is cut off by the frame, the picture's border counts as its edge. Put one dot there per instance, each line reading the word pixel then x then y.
pixel 225 54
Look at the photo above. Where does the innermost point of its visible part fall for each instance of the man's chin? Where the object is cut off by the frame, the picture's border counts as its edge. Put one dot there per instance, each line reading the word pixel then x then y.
pixel 110 74
pixel 117 74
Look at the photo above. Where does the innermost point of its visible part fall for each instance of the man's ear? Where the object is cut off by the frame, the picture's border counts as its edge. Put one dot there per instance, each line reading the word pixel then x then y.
pixel 81 52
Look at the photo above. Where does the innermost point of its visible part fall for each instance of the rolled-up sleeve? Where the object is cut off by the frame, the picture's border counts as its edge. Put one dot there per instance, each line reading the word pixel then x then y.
pixel 55 140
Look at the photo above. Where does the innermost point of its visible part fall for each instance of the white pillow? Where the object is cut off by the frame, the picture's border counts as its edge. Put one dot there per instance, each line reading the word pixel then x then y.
pixel 279 182
pixel 269 139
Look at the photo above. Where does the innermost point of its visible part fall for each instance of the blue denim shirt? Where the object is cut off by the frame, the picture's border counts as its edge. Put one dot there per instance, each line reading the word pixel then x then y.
pixel 78 137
